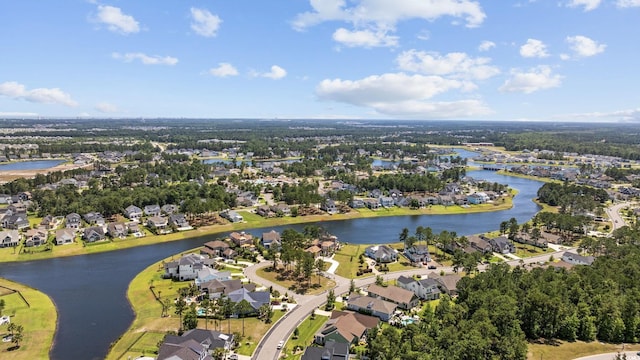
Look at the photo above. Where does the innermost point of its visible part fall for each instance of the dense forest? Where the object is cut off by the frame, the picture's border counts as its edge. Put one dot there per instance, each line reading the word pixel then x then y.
pixel 499 310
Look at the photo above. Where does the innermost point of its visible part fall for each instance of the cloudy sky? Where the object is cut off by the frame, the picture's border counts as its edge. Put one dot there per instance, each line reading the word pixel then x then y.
pixel 363 59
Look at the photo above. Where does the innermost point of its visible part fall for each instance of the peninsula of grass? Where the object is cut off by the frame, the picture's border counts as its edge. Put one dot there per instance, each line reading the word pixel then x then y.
pixel 36 313
pixel 145 293
pixel 251 221
pixel 349 258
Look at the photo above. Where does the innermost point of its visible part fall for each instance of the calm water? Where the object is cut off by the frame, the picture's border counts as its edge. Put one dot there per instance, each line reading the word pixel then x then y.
pixel 31 165
pixel 90 291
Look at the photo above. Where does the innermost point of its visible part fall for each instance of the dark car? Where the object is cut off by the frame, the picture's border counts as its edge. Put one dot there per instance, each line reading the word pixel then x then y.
pixel 431 267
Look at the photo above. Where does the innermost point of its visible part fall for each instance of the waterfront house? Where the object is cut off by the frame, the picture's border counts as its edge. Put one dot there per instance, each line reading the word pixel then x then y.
pixel 207 273
pixel 283 209
pixel 418 254
pixel 179 221
pixel 381 253
pixel 158 224
pixel 480 243
pixel 425 289
pixel 502 245
pixel 93 234
pixel 194 344
pixel 329 206
pixel 386 201
pixel 64 236
pixel 9 238
pixel 215 248
pixel 232 216
pixel 241 239
pixel 133 213
pixel 73 221
pixel 117 230
pixel 185 268
pixel 271 240
pixel 218 288
pixel 405 299
pixel 35 237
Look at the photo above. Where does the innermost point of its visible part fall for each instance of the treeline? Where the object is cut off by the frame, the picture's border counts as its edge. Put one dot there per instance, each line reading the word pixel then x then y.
pixel 497 311
pixel 403 182
pixel 572 198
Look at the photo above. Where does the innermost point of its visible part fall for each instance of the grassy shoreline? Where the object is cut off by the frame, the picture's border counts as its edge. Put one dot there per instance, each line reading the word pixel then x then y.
pixel 36 312
pixel 252 221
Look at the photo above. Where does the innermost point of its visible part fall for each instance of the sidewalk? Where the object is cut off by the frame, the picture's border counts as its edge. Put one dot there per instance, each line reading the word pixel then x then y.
pixel 334 265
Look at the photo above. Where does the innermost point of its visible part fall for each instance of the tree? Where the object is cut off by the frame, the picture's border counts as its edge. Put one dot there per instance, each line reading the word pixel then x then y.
pixel 265 312
pixel 379 280
pixel 180 306
pixel 166 305
pixel 352 286
pixel 404 234
pixel 331 299
pixel 16 333
pixel 205 305
pixel 243 308
pixel 2 305
pixel 319 268
pixel 190 318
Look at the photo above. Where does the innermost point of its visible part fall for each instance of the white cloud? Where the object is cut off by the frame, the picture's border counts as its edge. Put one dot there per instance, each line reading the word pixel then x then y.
pixel 105 107
pixel 17 91
pixel 116 21
pixel 534 48
pixel 15 114
pixel 457 65
pixel 145 59
pixel 399 94
pixel 627 3
pixel 583 46
pixel 486 45
pixel 620 115
pixel 276 73
pixel 385 14
pixel 587 4
pixel 223 70
pixel 364 38
pixel 205 23
pixel 536 79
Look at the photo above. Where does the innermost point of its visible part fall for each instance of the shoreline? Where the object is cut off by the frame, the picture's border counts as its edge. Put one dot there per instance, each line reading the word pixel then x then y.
pixel 255 221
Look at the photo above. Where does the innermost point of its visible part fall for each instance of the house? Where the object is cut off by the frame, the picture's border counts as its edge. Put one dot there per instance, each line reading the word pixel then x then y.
pixel 283 209
pixel 480 243
pixel 94 218
pixel 346 327
pixel 152 210
pixel 9 238
pixel 264 211
pixel 73 221
pixel 16 222
pixel 314 250
pixel 418 254
pixel 185 268
pixel 425 289
pixel 241 239
pixel 357 203
pixel 214 248
pixel 231 216
pixel 158 223
pixel 93 234
pixel 196 344
pixel 5 199
pixel 381 253
pixel 331 350
pixel 371 203
pixel 502 245
pixel 133 213
pixel 386 201
pixel 134 229
pixel 206 274
pixel 476 199
pixel 215 289
pixel 448 283
pixel 117 230
pixel 329 206
pixel 49 222
pixel 64 236
pixel 405 299
pixel 169 209
pixel 255 298
pixel 577 259
pixel 179 221
pixel 371 306
pixel 35 238
pixel 17 207
pixel 271 240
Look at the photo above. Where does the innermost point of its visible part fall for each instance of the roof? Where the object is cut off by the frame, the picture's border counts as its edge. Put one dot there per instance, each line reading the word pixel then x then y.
pixel 216 244
pixel 405 280
pixel 367 302
pixel 393 293
pixel 271 236
pixel 255 298
pixel 331 351
pixel 449 281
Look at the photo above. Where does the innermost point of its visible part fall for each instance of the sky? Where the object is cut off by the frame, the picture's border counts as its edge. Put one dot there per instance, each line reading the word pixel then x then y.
pixel 546 60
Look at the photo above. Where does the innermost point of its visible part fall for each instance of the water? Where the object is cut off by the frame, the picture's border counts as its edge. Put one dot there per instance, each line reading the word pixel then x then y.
pixel 90 291
pixel 31 165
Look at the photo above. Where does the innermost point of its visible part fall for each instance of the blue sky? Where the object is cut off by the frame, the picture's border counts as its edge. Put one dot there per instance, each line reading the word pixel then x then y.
pixel 554 60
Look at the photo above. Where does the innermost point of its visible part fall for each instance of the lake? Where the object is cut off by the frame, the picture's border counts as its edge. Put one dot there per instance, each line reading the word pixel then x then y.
pixel 31 165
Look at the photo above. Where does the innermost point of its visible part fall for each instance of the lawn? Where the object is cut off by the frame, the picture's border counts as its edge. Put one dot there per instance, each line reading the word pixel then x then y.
pixel 348 256
pixel 37 315
pixel 525 250
pixel 571 350
pixel 306 331
pixel 149 325
pixel 325 284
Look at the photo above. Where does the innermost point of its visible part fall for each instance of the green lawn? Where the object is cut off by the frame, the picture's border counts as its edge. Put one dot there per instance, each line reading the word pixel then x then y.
pixel 307 330
pixel 572 350
pixel 524 250
pixel 325 284
pixel 39 319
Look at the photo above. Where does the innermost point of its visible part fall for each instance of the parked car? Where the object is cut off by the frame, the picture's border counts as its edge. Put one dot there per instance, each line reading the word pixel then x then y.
pixel 280 345
pixel 431 267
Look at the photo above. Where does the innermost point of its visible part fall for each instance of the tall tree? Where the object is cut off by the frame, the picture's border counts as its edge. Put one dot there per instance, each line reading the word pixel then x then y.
pixel 243 308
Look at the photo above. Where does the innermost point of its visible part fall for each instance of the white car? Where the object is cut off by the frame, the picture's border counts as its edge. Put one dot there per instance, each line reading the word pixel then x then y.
pixel 280 345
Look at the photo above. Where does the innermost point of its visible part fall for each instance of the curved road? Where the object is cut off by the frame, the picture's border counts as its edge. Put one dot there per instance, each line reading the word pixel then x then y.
pixel 282 329
pixel 614 214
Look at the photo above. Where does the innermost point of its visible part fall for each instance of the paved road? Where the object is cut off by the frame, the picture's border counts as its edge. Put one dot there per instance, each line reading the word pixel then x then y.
pixel 614 214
